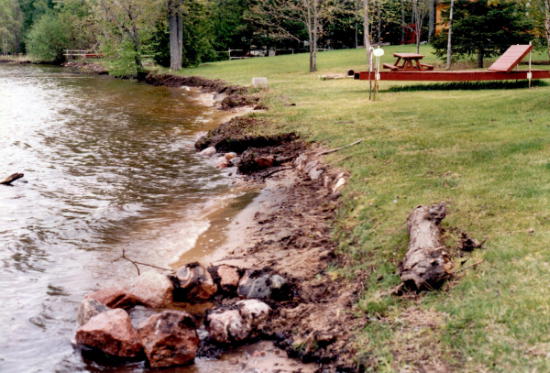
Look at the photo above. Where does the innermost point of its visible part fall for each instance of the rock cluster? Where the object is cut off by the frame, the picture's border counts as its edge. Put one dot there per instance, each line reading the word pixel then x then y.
pixel 131 322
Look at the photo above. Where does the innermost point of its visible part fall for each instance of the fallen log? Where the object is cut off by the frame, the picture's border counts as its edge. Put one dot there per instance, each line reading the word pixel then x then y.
pixel 426 265
pixel 10 179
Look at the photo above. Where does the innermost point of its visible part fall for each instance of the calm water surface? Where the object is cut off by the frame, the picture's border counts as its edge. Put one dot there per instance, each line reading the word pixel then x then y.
pixel 108 164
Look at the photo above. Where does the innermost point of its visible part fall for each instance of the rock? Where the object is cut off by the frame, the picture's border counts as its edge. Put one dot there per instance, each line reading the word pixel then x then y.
pixel 265 161
pixel 139 315
pixel 169 338
pixel 260 82
pixel 235 161
pixel 340 182
pixel 226 277
pixel 208 152
pixel 253 310
pixel 88 309
pixel 221 162
pixel 112 333
pixel 238 322
pixel 315 173
pixel 229 156
pixel 115 297
pixel 227 325
pixel 195 283
pixel 152 289
pixel 263 285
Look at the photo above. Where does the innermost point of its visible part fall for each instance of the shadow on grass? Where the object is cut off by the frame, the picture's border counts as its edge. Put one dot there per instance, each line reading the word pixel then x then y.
pixel 472 86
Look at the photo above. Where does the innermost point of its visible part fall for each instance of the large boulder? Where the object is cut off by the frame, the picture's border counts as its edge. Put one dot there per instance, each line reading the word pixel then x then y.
pixel 195 283
pixel 226 277
pixel 112 333
pixel 152 289
pixel 169 338
pixel 238 322
pixel 260 284
pixel 89 308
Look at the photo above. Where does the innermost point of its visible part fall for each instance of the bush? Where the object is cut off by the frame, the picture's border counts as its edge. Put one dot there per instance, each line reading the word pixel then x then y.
pixel 49 38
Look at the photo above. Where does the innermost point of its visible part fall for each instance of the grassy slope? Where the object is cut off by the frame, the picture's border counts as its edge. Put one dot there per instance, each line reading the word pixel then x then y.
pixel 485 152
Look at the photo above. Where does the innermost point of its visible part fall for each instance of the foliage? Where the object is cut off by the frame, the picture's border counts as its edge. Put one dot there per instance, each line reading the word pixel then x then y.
pixel 49 37
pixel 10 26
pixel 127 27
pixel 197 37
pixel 485 28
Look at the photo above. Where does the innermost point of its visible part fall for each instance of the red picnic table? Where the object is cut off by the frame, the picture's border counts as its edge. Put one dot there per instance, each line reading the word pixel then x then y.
pixel 408 62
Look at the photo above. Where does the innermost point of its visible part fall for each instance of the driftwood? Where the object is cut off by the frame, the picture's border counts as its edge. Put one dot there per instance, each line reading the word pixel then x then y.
pixel 10 179
pixel 427 264
pixel 340 148
pixel 137 264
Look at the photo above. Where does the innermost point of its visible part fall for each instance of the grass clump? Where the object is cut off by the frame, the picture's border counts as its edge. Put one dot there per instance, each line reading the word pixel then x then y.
pixel 482 148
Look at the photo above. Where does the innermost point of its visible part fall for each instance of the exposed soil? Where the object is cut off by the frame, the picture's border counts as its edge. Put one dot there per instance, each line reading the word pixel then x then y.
pixel 233 96
pixel 290 233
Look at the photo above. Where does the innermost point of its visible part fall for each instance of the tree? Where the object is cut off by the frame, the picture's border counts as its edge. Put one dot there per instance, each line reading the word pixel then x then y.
pixel 547 23
pixel 420 8
pixel 275 15
pixel 127 26
pixel 450 35
pixel 49 37
pixel 176 33
pixel 485 28
pixel 196 36
pixel 10 26
pixel 367 40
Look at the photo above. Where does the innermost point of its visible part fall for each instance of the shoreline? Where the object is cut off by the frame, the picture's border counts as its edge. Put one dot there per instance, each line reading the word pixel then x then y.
pixel 286 228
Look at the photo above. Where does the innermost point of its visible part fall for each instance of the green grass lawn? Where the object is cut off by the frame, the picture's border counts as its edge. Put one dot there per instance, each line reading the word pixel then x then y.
pixel 486 152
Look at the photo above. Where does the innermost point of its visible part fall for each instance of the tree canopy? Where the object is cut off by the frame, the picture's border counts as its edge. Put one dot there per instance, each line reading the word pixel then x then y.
pixel 486 28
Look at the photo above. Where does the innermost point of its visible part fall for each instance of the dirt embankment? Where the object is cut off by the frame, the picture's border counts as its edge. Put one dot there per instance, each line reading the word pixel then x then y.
pixel 290 233
pixel 226 96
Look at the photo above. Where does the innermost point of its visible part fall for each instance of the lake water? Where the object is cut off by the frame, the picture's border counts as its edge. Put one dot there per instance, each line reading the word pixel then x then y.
pixel 109 164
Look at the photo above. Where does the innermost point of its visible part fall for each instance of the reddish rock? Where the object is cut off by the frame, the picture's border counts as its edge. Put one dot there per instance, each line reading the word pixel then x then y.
pixel 115 297
pixel 227 277
pixel 169 338
pixel 229 156
pixel 265 162
pixel 195 283
pixel 112 333
pixel 152 289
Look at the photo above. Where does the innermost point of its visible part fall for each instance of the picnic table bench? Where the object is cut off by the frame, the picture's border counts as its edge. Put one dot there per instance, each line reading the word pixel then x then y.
pixel 408 62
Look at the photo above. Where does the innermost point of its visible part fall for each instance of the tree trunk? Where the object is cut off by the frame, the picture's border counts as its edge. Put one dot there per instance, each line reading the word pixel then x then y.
pixel 426 264
pixel 547 24
pixel 176 35
pixel 315 35
pixel 417 26
pixel 402 22
pixel 450 35
pixel 366 28
pixel 431 25
pixel 480 56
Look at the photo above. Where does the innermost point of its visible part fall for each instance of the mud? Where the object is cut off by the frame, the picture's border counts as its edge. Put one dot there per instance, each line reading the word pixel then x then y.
pixel 288 230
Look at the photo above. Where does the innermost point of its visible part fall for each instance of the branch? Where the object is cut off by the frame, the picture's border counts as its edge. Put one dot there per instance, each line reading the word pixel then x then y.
pixel 135 263
pixel 10 179
pixel 340 148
